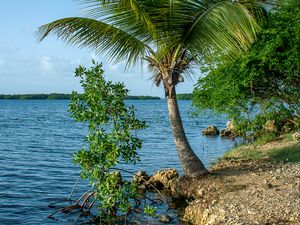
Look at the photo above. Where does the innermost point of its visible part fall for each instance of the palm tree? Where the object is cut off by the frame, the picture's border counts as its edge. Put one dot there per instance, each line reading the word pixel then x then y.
pixel 169 35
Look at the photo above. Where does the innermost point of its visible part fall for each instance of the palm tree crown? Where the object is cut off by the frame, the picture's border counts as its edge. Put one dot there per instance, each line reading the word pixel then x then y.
pixel 167 33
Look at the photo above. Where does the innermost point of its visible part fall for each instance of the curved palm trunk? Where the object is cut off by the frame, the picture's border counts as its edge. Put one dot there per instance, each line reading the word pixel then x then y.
pixel 190 163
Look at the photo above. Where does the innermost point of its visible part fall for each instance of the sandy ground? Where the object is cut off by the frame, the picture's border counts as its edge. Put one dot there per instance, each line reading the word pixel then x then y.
pixel 244 192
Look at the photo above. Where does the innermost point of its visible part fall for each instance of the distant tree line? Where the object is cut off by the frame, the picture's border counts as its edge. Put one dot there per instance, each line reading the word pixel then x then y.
pixel 57 96
pixel 52 96
pixel 185 96
pixel 142 97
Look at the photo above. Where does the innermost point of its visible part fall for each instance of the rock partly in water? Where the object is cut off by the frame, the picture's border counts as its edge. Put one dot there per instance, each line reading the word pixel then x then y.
pixel 228 134
pixel 211 130
pixel 229 131
pixel 141 178
pixel 163 178
pixel 230 126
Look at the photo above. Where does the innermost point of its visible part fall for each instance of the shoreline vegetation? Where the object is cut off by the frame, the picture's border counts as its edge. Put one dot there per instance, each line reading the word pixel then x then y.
pixel 60 96
pixel 184 96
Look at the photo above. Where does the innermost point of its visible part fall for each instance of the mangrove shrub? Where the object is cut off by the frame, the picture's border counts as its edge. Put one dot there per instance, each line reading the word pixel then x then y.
pixel 112 138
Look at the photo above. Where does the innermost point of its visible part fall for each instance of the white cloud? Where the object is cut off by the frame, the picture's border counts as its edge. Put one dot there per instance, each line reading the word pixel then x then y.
pixel 2 63
pixel 46 63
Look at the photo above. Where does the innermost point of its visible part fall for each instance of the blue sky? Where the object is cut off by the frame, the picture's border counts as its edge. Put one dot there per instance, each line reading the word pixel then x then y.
pixel 27 66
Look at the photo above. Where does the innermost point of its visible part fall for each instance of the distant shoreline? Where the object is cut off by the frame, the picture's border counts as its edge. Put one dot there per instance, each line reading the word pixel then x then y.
pixel 59 96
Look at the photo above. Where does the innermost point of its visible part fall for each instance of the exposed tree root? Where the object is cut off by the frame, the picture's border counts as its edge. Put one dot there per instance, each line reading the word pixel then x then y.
pixel 86 202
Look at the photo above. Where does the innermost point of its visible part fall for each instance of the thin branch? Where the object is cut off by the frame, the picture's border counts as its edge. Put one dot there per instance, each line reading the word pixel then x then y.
pixel 70 196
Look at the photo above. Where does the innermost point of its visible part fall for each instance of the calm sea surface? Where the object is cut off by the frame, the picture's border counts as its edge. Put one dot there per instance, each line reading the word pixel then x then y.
pixel 38 138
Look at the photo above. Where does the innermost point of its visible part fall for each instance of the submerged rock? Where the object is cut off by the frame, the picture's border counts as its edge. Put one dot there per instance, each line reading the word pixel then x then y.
pixel 165 218
pixel 211 130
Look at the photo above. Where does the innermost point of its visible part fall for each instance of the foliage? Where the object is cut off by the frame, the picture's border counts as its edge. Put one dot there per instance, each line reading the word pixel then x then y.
pixel 142 97
pixel 112 137
pixel 265 81
pixel 286 154
pixel 185 96
pixel 150 211
pixel 265 138
pixel 28 96
pixel 58 96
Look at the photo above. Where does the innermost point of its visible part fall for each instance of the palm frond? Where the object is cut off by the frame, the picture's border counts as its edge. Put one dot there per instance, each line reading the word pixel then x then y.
pixel 169 34
pixel 109 10
pixel 214 27
pixel 101 37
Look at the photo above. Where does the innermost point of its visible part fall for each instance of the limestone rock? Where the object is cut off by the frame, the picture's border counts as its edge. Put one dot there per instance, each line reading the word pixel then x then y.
pixel 163 178
pixel 230 126
pixel 228 134
pixel 296 136
pixel 140 178
pixel 270 126
pixel 229 131
pixel 211 130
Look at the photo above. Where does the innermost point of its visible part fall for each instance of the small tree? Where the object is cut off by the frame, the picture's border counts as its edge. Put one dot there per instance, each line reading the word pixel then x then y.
pixel 112 137
pixel 266 80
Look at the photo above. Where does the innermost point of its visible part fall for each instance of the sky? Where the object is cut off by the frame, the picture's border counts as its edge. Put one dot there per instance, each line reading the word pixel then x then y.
pixel 30 67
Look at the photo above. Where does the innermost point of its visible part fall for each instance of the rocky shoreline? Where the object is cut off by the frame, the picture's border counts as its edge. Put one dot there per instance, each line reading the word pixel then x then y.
pixel 244 193
pixel 238 191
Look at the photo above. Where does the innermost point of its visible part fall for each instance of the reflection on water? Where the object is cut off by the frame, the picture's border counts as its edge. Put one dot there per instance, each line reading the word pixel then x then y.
pixel 38 139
